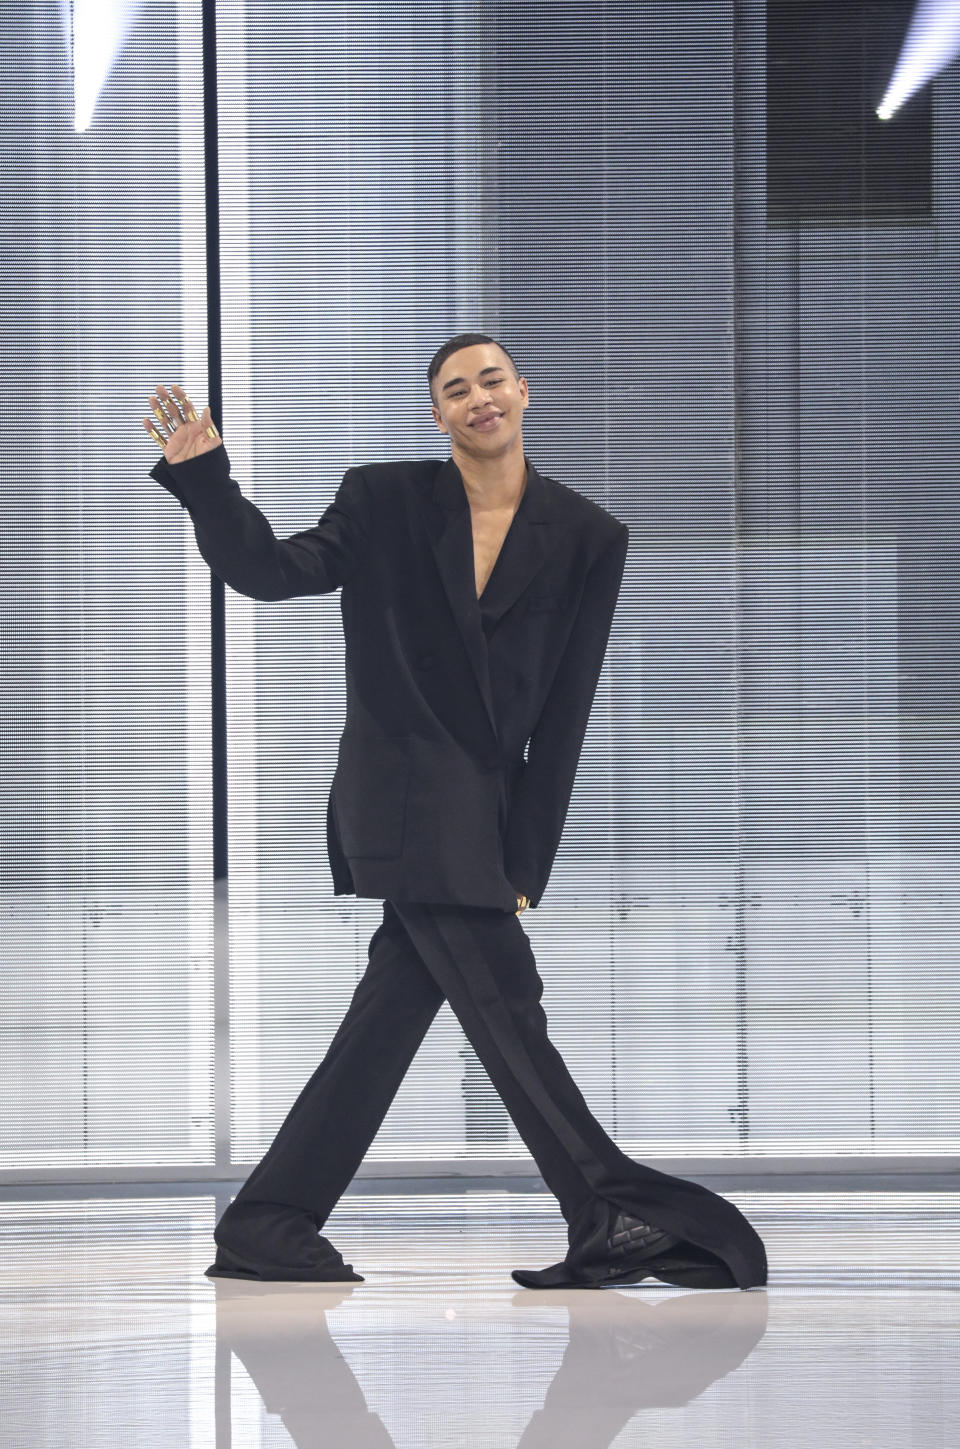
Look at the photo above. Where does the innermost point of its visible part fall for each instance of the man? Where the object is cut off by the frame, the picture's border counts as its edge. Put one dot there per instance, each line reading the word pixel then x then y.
pixel 477 597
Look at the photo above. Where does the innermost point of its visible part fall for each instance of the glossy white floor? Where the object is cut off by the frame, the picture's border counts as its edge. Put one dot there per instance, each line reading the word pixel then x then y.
pixel 112 1336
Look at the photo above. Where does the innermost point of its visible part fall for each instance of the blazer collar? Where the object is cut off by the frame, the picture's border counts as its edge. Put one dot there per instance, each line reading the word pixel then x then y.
pixel 529 543
pixel 537 503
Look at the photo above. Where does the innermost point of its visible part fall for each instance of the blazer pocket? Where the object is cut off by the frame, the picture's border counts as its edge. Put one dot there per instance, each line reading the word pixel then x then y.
pixel 370 788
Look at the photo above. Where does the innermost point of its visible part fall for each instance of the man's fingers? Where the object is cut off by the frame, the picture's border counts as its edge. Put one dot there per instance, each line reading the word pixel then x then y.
pixel 186 406
pixel 157 411
pixel 171 407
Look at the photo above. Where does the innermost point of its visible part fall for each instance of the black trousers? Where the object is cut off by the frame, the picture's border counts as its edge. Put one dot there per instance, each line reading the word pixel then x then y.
pixel 481 961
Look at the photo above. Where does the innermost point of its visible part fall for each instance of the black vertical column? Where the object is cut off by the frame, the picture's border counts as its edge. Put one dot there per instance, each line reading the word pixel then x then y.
pixel 739 1111
pixel 218 673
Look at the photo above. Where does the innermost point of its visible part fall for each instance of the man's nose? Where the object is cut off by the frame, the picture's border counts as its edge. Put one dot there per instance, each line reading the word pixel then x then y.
pixel 479 395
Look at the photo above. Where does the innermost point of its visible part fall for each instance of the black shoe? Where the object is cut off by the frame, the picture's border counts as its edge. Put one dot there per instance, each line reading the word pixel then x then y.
pixel 633 1241
pixel 627 1256
pixel 274 1243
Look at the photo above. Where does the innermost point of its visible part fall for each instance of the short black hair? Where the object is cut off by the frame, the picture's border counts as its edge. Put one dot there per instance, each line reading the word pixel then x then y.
pixel 462 339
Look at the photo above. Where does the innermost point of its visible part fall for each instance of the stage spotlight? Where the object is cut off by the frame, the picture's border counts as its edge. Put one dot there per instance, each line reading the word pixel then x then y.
pixel 932 42
pixel 830 159
pixel 98 31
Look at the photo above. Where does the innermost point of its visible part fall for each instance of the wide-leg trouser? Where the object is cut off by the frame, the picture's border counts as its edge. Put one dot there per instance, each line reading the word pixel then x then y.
pixel 481 961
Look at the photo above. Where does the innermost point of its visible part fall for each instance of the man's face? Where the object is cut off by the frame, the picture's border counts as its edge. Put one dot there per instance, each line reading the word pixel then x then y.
pixel 479 400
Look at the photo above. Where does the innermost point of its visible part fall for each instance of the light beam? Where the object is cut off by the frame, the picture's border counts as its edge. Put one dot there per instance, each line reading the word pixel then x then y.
pixel 932 42
pixel 99 29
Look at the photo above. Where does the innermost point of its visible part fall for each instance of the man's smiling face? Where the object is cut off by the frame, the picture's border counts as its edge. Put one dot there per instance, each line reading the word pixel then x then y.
pixel 479 400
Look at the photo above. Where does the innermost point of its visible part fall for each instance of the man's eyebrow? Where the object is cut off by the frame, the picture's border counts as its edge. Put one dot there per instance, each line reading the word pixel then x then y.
pixel 455 381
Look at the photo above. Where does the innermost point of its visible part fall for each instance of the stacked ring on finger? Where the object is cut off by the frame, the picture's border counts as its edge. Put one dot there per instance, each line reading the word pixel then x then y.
pixel 187 410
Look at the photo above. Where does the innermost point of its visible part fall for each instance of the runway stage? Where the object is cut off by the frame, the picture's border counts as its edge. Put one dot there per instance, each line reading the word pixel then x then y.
pixel 113 1336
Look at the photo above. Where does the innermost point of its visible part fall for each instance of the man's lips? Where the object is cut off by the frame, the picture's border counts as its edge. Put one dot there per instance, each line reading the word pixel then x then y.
pixel 487 421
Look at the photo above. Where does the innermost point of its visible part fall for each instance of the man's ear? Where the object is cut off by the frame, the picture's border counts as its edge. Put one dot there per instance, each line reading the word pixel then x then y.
pixel 524 393
pixel 436 419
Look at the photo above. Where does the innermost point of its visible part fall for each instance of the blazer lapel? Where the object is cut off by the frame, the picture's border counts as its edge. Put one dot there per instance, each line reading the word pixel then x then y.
pixel 530 541
pixel 526 548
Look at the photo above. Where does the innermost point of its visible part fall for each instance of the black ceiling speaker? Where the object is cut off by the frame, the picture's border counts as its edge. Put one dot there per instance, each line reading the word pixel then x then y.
pixel 830 159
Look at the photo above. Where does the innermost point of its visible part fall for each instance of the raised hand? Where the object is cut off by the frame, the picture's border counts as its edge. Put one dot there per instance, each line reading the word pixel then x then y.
pixel 177 429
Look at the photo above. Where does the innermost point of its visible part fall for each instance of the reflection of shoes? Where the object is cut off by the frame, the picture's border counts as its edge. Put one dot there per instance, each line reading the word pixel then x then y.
pixel 627 1255
pixel 275 1243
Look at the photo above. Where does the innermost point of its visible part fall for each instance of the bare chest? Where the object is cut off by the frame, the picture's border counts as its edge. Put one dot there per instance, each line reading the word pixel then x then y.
pixel 490 528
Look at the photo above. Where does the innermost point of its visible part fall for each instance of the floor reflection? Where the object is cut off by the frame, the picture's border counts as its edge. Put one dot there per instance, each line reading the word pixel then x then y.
pixel 111 1334
pixel 621 1356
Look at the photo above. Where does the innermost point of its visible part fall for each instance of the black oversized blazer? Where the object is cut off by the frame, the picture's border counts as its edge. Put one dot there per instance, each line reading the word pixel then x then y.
pixel 432 798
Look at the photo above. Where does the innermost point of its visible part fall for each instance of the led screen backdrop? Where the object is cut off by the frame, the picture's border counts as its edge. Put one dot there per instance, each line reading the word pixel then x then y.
pixel 747 938
pixel 758 865
pixel 106 1034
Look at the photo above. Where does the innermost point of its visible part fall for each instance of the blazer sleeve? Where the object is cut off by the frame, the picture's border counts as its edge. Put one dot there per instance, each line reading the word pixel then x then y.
pixel 240 546
pixel 542 796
